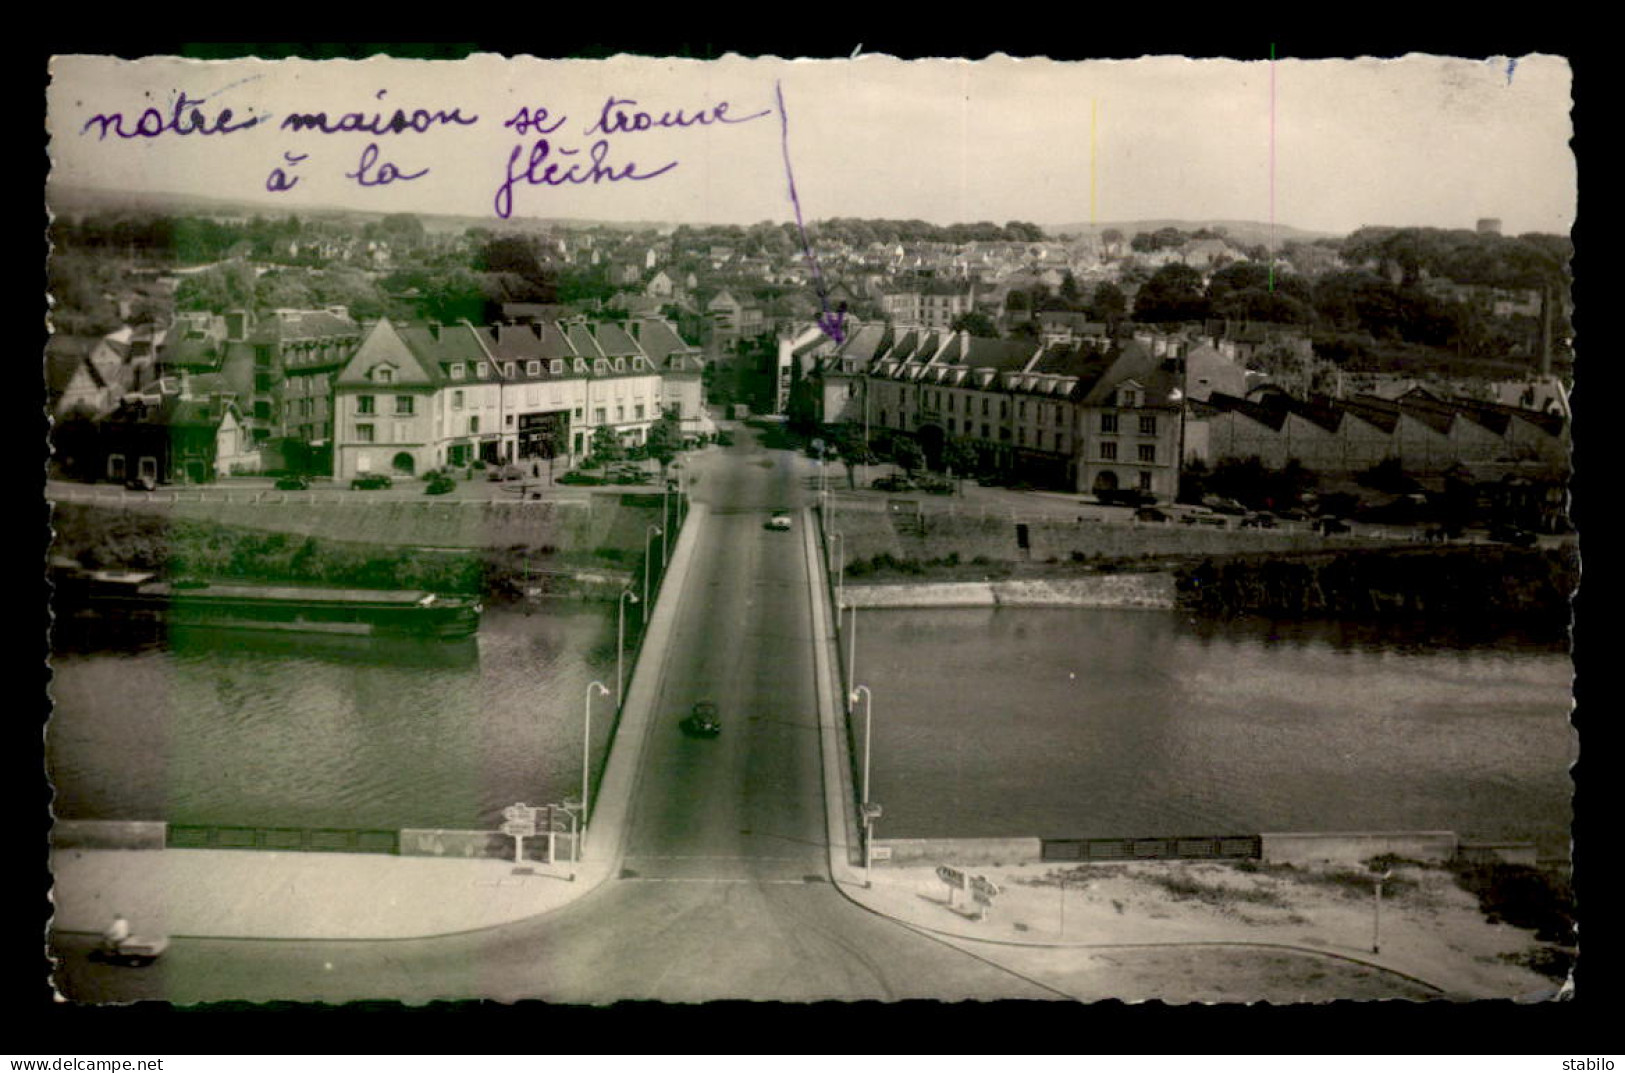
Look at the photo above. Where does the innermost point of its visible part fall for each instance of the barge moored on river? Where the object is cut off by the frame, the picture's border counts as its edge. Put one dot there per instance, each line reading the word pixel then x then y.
pixel 143 597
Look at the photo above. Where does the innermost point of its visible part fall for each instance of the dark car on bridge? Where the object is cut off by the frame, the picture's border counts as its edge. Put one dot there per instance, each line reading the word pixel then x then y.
pixel 702 722
pixel 1511 534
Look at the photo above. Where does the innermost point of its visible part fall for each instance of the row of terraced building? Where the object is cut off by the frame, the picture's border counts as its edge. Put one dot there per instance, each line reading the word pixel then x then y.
pixel 1129 413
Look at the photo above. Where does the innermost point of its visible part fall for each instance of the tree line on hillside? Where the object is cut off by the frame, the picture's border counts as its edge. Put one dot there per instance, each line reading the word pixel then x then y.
pixel 857 232
pixel 1351 302
pixel 1469 257
pixel 192 240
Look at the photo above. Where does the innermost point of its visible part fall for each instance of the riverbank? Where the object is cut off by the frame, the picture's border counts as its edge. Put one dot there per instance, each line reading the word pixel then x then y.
pixel 588 549
pixel 1526 588
pixel 1531 587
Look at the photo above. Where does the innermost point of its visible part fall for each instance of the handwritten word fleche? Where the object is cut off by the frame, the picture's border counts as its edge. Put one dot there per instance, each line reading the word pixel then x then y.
pixel 547 163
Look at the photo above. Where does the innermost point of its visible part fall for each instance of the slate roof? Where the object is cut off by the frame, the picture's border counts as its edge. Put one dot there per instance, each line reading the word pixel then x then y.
pixel 1086 363
pixel 659 340
pixel 582 342
pixel 1385 418
pixel 614 342
pixel 1272 416
pixel 1001 355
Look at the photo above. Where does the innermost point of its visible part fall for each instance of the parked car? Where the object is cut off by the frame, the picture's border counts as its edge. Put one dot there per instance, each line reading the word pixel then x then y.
pixel 504 473
pixel 1151 514
pixel 1124 497
pixel 293 482
pixel 1327 525
pixel 937 486
pixel 780 521
pixel 1222 505
pixel 371 481
pixel 142 484
pixel 892 484
pixel 1260 520
pixel 702 721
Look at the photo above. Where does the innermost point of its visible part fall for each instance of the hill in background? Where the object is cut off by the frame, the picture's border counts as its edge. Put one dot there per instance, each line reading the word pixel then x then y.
pixel 1245 232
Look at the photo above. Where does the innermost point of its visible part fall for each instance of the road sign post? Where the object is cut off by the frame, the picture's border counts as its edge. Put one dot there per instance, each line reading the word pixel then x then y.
pixel 519 823
pixel 983 890
pixel 953 877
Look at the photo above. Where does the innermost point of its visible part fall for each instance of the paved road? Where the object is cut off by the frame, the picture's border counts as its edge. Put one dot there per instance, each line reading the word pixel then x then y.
pixel 725 889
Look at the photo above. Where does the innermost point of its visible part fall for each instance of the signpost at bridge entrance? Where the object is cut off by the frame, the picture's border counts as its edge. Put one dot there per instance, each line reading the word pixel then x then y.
pixel 519 823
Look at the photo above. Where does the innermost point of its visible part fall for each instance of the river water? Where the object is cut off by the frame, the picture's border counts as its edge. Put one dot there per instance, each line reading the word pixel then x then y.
pixel 1111 723
pixel 238 728
pixel 1050 722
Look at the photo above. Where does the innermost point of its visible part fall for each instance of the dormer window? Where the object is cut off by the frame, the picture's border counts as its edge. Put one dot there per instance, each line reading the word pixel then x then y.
pixel 482 369
pixel 384 374
pixel 508 369
pixel 458 371
pixel 620 365
pixel 533 368
pixel 558 366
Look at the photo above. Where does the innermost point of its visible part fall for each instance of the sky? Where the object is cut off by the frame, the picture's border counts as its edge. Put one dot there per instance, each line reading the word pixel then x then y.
pixel 1323 145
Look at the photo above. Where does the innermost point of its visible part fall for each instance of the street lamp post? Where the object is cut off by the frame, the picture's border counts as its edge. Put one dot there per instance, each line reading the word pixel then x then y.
pixel 665 522
pixel 869 810
pixel 852 654
pixel 652 531
pixel 586 751
pixel 1376 915
pixel 620 647
pixel 840 569
pixel 868 714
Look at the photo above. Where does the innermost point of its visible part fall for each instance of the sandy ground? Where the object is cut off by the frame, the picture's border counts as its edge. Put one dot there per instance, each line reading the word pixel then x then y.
pixel 1250 934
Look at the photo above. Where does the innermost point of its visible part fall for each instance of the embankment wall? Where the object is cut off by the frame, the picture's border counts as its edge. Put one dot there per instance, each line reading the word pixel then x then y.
pixel 870 532
pixel 109 834
pixel 1352 847
pixel 1148 590
pixel 957 850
